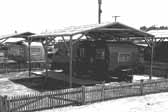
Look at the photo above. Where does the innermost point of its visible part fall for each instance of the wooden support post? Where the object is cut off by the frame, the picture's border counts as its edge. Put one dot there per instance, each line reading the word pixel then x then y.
pixel 151 44
pixel 29 48
pixel 99 11
pixel 46 56
pixel 6 61
pixel 41 64
pixel 70 63
pixel 103 92
pixel 83 95
pixel 151 66
pixel 65 42
pixel 141 87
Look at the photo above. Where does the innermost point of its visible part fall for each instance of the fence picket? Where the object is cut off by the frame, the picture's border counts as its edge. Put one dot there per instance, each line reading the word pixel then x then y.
pixel 102 92
pixel 83 95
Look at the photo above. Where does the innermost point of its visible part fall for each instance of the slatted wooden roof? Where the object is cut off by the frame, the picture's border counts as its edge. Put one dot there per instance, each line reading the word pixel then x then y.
pixel 17 35
pixel 103 31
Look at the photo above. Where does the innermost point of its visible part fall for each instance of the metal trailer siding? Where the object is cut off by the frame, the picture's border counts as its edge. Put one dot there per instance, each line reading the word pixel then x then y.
pixel 115 49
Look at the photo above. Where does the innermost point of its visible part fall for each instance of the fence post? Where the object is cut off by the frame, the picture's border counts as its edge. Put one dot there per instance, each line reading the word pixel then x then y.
pixel 141 86
pixel 1 104
pixel 83 95
pixel 102 91
pixel 4 104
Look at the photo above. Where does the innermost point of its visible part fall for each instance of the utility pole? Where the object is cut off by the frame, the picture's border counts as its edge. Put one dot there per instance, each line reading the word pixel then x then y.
pixel 99 11
pixel 115 18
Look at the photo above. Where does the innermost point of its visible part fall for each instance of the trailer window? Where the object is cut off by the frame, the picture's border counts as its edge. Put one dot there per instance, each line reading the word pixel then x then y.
pixel 123 57
pixel 2 54
pixel 15 51
pixel 82 52
pixel 35 51
pixel 100 54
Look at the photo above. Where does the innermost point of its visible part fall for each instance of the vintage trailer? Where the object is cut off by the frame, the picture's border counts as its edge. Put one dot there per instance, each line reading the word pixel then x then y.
pixel 99 58
pixel 122 54
pixel 19 52
pixel 2 56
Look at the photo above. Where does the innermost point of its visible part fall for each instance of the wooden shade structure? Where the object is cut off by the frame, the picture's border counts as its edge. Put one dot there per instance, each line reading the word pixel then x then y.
pixel 106 31
pixel 19 35
pixel 115 30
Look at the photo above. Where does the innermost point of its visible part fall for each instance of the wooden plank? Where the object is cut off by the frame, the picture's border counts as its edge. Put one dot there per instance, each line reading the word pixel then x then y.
pixel 4 105
pixel 1 104
pixel 63 99
pixel 16 108
pixel 73 96
pixel 70 62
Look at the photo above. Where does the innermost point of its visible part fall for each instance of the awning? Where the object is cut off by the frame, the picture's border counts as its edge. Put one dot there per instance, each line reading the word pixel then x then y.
pixel 17 35
pixel 103 31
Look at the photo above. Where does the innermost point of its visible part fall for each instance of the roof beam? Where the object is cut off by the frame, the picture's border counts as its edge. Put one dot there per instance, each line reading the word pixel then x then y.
pixel 114 29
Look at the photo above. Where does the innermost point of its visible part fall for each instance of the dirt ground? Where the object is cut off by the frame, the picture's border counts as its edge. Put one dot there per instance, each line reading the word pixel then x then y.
pixel 10 88
pixel 19 83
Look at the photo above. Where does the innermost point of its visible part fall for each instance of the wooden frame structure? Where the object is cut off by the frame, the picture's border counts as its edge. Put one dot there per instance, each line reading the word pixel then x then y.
pixel 107 31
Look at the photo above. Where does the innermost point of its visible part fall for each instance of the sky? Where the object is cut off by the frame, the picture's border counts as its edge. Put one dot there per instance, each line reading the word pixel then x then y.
pixel 46 15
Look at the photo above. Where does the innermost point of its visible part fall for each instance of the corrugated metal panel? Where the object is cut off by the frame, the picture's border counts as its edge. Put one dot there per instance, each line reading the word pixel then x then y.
pixel 159 33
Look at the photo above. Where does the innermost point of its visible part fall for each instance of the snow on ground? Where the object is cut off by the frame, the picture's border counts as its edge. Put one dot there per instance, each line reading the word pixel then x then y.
pixel 143 77
pixel 148 103
pixel 8 87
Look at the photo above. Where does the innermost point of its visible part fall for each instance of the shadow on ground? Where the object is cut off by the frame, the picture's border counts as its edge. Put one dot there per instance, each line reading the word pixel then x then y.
pixel 41 84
